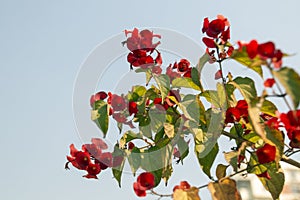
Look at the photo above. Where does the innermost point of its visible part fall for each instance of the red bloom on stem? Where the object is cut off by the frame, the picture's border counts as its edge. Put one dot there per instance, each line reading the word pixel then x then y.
pixel 93 150
pixel 269 82
pixel 266 49
pixel 183 65
pixel 79 159
pixel 93 170
pixel 184 185
pixel 232 115
pixel 139 190
pixel 242 106
pixel 213 28
pixel 98 96
pixel 291 121
pixel 139 58
pixel 118 102
pixel 218 74
pixel 132 107
pixel 119 117
pixel 99 143
pixel 251 49
pixel 158 103
pixel 146 180
pixel 266 153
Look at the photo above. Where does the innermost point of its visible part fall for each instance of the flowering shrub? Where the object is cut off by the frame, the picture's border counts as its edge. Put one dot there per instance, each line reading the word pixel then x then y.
pixel 164 116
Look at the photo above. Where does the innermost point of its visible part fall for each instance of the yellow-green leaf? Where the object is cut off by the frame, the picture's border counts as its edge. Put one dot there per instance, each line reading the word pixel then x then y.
pixel 188 194
pixel 225 189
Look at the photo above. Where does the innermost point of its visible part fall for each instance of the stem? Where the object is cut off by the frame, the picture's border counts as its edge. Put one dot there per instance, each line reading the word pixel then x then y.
pixel 160 195
pixel 278 87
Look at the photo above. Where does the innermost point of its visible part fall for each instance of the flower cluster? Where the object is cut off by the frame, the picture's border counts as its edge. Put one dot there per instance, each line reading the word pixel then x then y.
pixel 145 181
pixel 291 121
pixel 141 46
pixel 180 69
pixel 264 51
pixel 218 32
pixel 91 158
pixel 234 114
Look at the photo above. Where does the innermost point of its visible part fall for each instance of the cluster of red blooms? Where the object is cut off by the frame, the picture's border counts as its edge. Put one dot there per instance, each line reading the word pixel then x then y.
pixel 184 185
pixel 92 159
pixel 180 69
pixel 234 114
pixel 118 105
pixel 265 51
pixel 145 181
pixel 141 45
pixel 218 32
pixel 290 121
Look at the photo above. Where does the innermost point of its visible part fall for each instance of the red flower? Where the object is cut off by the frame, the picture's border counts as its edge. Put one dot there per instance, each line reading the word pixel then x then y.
pixel 184 185
pixel 156 70
pixel 214 28
pixel 218 75
pixel 242 106
pixel 98 96
pixel 158 103
pixel 266 49
pixel 93 170
pixel 225 36
pixel 169 71
pixel 176 95
pixel 183 65
pixel 158 59
pixel 232 115
pixel 117 102
pixel 209 42
pixel 269 82
pixel 146 180
pixel 139 58
pixel 132 107
pixel 117 161
pixel 266 153
pixel 188 73
pixel 79 159
pixel 93 150
pixel 251 49
pixel 139 190
pixel 291 121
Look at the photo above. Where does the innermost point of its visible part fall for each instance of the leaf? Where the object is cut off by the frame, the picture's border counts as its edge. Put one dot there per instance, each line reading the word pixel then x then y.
pixel 196 78
pixel 117 171
pixel 163 83
pixel 185 82
pixel 191 107
pixel 157 119
pixel 207 161
pixel 187 194
pixel 242 57
pixel 202 61
pixel 183 148
pixel 232 158
pixel 225 189
pixel 166 173
pixel 275 184
pixel 147 72
pixel 246 86
pixel 269 108
pixel 277 137
pixel 127 137
pixel 290 80
pixel 134 159
pixel 221 171
pixel 101 119
pixel 169 130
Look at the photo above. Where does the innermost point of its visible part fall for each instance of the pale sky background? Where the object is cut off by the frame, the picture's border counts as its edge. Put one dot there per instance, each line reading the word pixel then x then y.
pixel 42 46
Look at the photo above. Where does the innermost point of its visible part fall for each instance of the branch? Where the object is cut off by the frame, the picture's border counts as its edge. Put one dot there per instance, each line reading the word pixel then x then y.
pixel 290 161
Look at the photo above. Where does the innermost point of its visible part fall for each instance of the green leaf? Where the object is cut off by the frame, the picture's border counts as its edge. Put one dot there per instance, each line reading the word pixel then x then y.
pixel 127 137
pixel 183 148
pixel 232 158
pixel 185 82
pixel 277 137
pixel 202 61
pixel 207 161
pixel 167 173
pixel 147 72
pixel 268 108
pixel 157 119
pixel 242 57
pixel 117 171
pixel 196 78
pixel 134 159
pixel 163 83
pixel 273 185
pixel 191 107
pixel 169 130
pixel 246 86
pixel 290 80
pixel 101 118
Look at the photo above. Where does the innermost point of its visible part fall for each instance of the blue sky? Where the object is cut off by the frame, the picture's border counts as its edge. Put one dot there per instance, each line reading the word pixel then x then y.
pixel 42 46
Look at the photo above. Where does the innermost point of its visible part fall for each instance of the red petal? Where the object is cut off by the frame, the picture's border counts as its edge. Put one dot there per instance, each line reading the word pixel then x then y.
pixel 266 153
pixel 266 49
pixel 210 43
pixel 252 48
pixel 99 143
pixel 264 175
pixel 139 191
pixel 146 180
pixel 218 75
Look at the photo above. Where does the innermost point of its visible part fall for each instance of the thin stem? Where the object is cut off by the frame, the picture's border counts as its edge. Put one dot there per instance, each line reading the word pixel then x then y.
pixel 160 195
